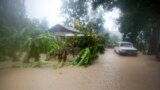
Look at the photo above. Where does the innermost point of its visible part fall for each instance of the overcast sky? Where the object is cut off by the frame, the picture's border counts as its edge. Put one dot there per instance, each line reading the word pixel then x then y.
pixel 111 20
pixel 44 9
pixel 111 24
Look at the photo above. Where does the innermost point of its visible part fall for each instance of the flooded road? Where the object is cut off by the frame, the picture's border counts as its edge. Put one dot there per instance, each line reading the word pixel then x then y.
pixel 110 72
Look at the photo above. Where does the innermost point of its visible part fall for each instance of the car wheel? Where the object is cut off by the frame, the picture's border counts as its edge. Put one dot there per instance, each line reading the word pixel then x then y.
pixel 135 54
pixel 119 53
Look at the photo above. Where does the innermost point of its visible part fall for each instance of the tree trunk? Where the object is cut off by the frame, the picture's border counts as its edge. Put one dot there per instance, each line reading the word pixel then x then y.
pixel 154 41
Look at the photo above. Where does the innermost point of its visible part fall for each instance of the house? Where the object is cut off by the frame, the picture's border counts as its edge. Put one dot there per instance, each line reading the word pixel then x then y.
pixel 61 32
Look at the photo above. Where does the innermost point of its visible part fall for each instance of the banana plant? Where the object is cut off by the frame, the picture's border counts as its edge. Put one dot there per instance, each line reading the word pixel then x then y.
pixel 43 43
pixel 83 58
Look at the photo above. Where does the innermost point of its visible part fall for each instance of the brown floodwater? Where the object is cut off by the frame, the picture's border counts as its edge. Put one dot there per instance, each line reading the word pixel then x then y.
pixel 109 72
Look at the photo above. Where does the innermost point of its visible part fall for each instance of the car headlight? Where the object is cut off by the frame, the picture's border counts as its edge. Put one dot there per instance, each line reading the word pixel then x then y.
pixel 121 50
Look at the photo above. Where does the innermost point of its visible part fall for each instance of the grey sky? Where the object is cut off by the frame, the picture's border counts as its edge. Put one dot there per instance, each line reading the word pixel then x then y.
pixel 111 23
pixel 44 9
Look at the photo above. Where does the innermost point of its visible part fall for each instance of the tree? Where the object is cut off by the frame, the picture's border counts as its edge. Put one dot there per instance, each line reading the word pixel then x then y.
pixel 12 19
pixel 77 13
pixel 15 28
pixel 13 12
pixel 74 10
pixel 137 15
pixel 96 21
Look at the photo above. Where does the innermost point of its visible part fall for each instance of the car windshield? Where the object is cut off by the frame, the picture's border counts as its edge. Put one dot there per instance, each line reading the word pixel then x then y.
pixel 126 45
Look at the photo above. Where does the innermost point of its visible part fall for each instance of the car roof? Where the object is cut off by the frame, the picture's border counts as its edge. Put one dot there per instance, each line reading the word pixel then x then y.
pixel 124 42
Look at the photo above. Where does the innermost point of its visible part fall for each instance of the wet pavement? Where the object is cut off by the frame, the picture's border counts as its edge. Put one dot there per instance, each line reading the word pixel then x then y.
pixel 109 72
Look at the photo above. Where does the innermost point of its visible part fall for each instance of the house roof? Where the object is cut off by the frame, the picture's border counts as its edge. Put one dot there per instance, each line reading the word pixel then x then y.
pixel 62 28
pixel 70 35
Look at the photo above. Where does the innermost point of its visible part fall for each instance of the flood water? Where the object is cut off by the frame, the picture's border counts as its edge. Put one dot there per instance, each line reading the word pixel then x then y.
pixel 109 72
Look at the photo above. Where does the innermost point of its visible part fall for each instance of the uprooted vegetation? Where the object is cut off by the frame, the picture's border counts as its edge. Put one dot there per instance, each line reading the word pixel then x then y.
pixel 35 51
pixel 29 43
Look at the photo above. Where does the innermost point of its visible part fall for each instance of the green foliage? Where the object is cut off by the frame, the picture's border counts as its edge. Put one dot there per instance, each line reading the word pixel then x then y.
pixel 72 41
pixel 74 9
pixel 33 64
pixel 143 46
pixel 13 38
pixel 99 45
pixel 12 19
pixel 15 28
pixel 77 14
pixel 83 58
pixel 90 47
pixel 85 41
pixel 137 16
pixel 43 43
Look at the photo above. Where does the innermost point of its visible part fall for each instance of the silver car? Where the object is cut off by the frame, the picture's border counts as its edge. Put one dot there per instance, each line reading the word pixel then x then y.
pixel 125 48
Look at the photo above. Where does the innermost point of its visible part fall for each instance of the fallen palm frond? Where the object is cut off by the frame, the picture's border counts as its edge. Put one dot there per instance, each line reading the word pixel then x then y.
pixel 83 58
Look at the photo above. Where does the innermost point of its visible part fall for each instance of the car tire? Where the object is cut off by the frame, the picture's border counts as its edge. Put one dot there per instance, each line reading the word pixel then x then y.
pixel 120 53
pixel 135 54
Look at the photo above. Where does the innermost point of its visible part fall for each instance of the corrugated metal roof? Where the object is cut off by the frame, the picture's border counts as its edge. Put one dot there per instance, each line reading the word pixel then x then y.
pixel 71 29
pixel 58 27
pixel 70 34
